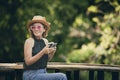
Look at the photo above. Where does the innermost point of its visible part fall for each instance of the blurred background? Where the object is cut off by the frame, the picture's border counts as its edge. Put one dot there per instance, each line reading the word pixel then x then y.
pixel 87 31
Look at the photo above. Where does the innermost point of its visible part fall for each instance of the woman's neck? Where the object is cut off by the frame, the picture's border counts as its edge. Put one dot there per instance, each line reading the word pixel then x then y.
pixel 38 37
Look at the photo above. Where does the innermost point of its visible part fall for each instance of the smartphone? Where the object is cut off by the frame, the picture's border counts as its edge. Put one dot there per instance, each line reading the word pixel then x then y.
pixel 52 44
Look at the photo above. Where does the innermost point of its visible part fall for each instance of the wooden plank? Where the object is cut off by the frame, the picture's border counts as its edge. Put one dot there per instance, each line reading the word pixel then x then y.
pixel 63 66
pixel 84 67
pixel 68 67
pixel 87 64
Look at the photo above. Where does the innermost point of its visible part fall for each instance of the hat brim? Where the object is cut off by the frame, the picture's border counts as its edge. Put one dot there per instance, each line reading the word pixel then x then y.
pixel 46 24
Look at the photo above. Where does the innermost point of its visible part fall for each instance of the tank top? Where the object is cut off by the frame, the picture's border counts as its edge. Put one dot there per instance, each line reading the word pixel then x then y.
pixel 42 62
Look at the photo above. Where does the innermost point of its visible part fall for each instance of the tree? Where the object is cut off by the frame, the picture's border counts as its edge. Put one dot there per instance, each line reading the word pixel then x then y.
pixel 78 26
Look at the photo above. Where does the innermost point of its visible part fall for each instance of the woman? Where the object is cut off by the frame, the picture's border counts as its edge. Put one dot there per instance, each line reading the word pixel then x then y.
pixel 37 52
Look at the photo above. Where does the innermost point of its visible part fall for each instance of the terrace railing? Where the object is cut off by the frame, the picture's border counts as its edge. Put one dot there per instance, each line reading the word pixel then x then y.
pixel 13 71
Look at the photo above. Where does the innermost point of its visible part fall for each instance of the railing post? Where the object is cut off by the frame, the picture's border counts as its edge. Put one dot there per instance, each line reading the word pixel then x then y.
pixel 68 74
pixel 2 75
pixel 76 75
pixel 14 71
pixel 10 75
pixel 7 74
pixel 100 75
pixel 18 74
pixel 115 75
pixel 91 75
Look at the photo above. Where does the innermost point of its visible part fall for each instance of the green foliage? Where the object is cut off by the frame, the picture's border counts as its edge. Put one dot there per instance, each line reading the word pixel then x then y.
pixel 85 30
pixel 107 38
pixel 83 54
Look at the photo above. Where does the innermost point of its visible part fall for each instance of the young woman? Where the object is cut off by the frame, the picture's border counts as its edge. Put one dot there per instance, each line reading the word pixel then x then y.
pixel 37 52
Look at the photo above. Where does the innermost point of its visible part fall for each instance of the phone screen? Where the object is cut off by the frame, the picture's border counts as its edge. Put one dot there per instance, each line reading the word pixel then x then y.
pixel 52 44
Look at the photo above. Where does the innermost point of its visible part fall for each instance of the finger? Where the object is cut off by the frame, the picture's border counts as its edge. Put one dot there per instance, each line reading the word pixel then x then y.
pixel 47 46
pixel 55 47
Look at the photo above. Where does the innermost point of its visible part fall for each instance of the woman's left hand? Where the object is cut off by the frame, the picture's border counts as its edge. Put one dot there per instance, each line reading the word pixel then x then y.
pixel 52 49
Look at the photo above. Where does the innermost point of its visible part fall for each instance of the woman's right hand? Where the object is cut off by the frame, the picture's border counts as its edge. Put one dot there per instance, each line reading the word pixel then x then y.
pixel 46 50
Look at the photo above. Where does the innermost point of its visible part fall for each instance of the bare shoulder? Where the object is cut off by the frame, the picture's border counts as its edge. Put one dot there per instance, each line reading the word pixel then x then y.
pixel 29 41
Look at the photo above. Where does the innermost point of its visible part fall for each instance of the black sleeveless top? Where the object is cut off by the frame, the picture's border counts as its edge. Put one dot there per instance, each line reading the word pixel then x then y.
pixel 42 62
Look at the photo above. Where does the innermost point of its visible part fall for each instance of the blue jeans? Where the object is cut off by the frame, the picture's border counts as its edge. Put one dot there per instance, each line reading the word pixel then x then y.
pixel 42 74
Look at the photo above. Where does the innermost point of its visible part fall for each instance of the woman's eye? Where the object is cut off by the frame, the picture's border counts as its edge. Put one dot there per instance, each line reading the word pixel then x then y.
pixel 39 27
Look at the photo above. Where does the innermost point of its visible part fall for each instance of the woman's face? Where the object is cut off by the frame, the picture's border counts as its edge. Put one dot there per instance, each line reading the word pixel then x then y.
pixel 37 29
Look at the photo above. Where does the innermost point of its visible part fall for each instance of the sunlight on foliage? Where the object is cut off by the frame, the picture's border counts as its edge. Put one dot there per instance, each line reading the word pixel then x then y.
pixel 95 19
pixel 107 39
pixel 93 9
pixel 100 50
pixel 85 30
pixel 81 55
pixel 81 21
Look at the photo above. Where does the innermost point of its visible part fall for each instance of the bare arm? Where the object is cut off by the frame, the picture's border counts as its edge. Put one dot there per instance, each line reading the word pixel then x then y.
pixel 29 59
pixel 50 56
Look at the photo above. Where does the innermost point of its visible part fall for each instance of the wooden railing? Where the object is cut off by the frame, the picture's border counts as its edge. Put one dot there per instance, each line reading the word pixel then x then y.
pixel 13 71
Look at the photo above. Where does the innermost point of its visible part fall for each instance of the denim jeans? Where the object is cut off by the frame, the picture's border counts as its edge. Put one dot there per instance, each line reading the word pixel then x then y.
pixel 42 74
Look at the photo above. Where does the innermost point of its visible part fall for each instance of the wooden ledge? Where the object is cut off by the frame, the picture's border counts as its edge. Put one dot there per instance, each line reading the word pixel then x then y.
pixel 65 66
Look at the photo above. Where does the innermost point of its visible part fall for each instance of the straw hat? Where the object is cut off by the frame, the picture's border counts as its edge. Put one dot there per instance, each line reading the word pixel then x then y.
pixel 39 19
pixel 42 20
